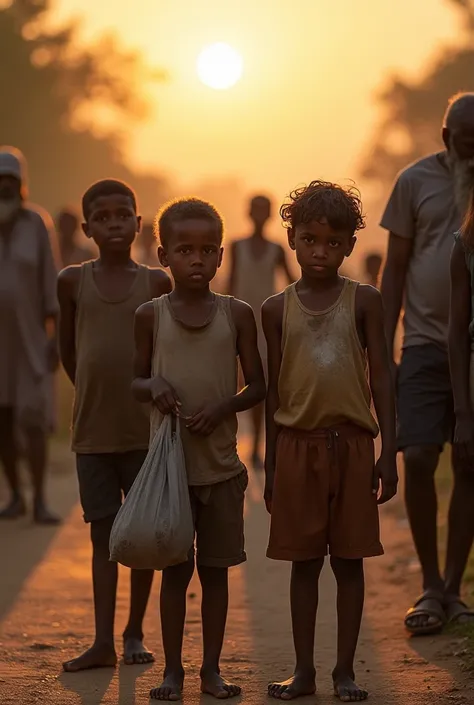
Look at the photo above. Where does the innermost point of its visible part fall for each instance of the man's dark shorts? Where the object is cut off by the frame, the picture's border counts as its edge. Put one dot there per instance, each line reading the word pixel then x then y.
pixel 424 397
pixel 104 478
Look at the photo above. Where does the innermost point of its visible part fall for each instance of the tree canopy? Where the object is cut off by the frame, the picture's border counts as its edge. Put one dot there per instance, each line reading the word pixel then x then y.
pixel 412 111
pixel 68 105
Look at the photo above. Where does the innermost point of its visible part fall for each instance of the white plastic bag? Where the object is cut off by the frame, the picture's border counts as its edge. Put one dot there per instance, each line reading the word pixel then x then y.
pixel 154 527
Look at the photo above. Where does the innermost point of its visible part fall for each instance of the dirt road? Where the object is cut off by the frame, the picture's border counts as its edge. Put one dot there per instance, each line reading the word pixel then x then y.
pixel 46 618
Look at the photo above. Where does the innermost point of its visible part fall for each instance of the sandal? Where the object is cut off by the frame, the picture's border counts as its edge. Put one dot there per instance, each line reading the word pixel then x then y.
pixel 457 612
pixel 430 606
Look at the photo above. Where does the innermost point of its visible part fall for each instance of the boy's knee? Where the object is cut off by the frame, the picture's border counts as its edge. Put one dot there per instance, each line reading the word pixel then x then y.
pixel 178 576
pixel 100 533
pixel 347 568
pixel 420 462
pixel 212 576
pixel 307 569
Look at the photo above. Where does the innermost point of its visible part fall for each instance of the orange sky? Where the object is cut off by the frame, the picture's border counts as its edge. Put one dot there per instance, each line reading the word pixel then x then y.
pixel 305 106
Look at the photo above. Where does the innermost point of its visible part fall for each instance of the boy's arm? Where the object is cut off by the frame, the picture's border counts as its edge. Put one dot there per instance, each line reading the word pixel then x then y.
pixel 206 420
pixel 381 384
pixel 459 349
pixel 272 320
pixel 67 288
pixel 146 388
pixel 160 283
pixel 283 263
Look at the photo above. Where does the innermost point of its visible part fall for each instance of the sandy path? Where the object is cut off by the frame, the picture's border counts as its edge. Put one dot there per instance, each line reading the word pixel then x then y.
pixel 46 617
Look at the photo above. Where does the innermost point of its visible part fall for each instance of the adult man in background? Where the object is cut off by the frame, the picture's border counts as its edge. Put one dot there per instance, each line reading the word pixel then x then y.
pixel 422 215
pixel 28 349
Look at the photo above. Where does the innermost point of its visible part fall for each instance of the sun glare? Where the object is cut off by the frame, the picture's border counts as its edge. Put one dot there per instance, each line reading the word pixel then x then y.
pixel 219 66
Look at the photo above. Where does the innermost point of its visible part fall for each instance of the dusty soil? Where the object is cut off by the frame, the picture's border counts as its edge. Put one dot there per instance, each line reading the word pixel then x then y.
pixel 46 618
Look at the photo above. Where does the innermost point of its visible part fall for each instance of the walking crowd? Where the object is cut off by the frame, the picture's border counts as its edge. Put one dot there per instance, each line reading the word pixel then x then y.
pixel 139 344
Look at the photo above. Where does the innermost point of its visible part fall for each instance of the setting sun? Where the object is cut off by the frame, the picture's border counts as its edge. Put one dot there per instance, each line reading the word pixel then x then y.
pixel 219 66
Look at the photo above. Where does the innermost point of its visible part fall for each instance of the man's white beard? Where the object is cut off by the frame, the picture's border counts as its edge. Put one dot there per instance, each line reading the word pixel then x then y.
pixel 463 177
pixel 9 207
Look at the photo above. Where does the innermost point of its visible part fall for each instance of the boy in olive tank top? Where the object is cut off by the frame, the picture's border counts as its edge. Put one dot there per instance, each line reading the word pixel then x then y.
pixel 98 301
pixel 187 345
pixel 322 484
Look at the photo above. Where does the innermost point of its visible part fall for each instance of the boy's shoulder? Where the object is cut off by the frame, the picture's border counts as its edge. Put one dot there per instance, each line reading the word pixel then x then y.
pixel 69 278
pixel 368 298
pixel 275 304
pixel 159 281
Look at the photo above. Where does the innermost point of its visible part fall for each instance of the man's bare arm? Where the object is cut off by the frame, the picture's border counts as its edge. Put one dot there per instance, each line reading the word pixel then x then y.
pixel 233 269
pixel 67 288
pixel 393 284
pixel 458 339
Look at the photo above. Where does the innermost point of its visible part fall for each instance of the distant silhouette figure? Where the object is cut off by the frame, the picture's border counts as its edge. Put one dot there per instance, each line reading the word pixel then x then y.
pixel 71 251
pixel 373 265
pixel 254 263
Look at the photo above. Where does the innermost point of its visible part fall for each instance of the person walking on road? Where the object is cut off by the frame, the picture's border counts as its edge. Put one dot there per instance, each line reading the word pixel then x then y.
pixel 255 261
pixel 28 349
pixel 423 213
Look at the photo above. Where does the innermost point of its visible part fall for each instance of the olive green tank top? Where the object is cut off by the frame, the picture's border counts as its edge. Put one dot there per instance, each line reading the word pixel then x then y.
pixel 201 365
pixel 323 375
pixel 106 417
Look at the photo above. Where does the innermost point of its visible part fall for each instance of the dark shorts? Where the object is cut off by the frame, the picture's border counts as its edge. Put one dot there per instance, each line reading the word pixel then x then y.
pixel 424 398
pixel 218 512
pixel 104 478
pixel 323 497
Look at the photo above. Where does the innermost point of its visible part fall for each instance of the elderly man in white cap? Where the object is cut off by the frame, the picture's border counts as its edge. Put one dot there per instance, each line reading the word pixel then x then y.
pixel 28 348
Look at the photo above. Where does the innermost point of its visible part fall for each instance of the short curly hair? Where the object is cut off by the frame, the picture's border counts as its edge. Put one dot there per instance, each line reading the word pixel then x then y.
pixel 340 206
pixel 185 209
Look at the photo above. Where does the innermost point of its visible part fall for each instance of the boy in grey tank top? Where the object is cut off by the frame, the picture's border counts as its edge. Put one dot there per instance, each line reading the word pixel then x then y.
pixel 187 345
pixel 98 301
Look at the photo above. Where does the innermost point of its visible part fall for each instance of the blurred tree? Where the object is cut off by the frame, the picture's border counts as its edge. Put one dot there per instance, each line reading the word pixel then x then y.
pixel 413 110
pixel 67 105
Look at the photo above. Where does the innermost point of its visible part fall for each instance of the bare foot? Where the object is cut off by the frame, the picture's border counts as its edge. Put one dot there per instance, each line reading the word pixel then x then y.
pixel 213 684
pixel 14 510
pixel 134 651
pixel 347 691
pixel 42 515
pixel 98 656
pixel 170 689
pixel 297 686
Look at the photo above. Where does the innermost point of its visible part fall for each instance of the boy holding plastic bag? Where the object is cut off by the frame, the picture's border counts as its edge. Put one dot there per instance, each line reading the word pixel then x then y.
pixel 187 345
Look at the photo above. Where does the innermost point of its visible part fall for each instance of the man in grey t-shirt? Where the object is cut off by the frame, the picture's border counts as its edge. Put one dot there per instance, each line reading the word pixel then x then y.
pixel 422 215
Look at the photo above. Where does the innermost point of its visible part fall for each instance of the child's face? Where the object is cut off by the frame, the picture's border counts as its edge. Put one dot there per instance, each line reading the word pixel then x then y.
pixel 320 249
pixel 193 253
pixel 112 223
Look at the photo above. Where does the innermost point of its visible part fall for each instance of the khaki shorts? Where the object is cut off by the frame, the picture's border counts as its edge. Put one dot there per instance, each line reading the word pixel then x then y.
pixel 322 496
pixel 218 512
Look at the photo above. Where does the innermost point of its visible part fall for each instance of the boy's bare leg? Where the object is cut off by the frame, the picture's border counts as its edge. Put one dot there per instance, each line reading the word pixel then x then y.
pixel 349 576
pixel 174 585
pixel 257 423
pixel 134 651
pixel 460 538
pixel 9 460
pixel 215 601
pixel 304 594
pixel 104 579
pixel 37 454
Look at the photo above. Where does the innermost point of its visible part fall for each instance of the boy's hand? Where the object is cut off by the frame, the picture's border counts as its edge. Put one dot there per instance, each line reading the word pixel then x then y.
pixel 164 396
pixel 385 477
pixel 204 422
pixel 463 446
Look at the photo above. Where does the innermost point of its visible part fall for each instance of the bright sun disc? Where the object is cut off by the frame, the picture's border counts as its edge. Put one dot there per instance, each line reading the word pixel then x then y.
pixel 219 66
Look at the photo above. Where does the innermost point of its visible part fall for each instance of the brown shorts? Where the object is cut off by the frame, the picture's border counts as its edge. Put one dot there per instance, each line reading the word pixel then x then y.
pixel 323 497
pixel 218 512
